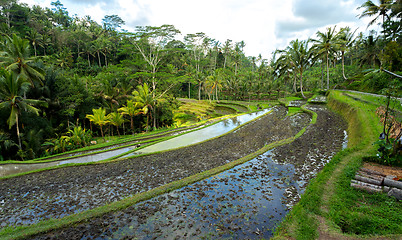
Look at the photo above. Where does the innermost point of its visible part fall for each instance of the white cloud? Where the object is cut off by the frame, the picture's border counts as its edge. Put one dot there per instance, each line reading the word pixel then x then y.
pixel 264 25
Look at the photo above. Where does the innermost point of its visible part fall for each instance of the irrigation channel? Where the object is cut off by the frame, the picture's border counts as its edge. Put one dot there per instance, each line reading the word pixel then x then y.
pixel 247 201
pixel 193 137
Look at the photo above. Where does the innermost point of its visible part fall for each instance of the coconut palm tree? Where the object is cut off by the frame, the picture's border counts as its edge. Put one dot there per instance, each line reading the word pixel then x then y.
pixel 99 117
pixel 346 40
pixel 116 119
pixel 132 108
pixel 371 9
pixel 285 67
pixel 144 97
pixel 35 38
pixel 327 43
pixel 15 56
pixel 302 57
pixel 12 89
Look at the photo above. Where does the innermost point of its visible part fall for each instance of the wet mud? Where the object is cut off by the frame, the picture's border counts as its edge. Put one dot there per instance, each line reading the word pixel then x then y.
pixel 61 192
pixel 246 202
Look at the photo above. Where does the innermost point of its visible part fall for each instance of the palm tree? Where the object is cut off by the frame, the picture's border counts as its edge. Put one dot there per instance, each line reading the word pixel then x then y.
pixel 284 67
pixel 369 53
pixel 15 56
pixel 116 119
pixel 44 42
pixel 327 44
pixel 132 108
pixel 12 88
pixel 34 37
pixel 346 41
pixel 302 57
pixel 99 118
pixel 371 9
pixel 144 97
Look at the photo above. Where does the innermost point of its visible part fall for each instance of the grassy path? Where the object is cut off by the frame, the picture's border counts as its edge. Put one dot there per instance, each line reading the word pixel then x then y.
pixel 330 208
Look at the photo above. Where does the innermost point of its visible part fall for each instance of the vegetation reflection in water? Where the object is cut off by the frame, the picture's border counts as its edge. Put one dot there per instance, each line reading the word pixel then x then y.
pixel 247 201
pixel 202 134
pixel 180 141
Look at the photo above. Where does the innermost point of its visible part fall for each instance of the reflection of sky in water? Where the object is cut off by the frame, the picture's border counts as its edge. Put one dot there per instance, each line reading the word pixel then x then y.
pixel 180 141
pixel 248 201
pixel 202 134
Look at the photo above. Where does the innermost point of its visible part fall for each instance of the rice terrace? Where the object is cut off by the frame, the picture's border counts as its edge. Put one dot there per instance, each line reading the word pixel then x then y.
pixel 108 133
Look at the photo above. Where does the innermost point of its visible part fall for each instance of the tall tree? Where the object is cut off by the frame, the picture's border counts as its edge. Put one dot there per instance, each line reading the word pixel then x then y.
pixel 150 42
pixel 378 11
pixel 327 43
pixel 12 89
pixel 15 56
pixel 145 98
pixel 346 40
pixel 116 119
pixel 131 109
pixel 34 37
pixel 302 57
pixel 100 118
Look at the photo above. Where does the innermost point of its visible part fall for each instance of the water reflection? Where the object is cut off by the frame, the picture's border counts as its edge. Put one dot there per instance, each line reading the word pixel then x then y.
pixel 246 202
pixel 180 141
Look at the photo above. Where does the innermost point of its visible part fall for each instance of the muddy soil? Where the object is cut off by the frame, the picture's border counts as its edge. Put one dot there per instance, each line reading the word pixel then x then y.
pixel 60 192
pixel 246 202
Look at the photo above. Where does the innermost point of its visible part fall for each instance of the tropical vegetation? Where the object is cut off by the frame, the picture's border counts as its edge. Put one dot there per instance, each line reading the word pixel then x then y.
pixel 57 69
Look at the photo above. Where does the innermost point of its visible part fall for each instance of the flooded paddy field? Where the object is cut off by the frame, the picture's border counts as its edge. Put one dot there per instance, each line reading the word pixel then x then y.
pixel 56 193
pixel 248 201
pixel 198 134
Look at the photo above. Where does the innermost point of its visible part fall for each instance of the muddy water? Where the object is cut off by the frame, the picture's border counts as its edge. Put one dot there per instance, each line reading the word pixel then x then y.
pixel 247 201
pixel 180 141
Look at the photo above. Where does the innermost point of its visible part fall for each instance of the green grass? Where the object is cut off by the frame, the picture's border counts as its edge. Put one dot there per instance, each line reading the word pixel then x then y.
pixel 293 111
pixel 346 211
pixel 377 101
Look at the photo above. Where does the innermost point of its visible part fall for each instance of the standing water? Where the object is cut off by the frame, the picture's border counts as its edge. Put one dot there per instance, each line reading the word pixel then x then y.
pixel 180 141
pixel 247 201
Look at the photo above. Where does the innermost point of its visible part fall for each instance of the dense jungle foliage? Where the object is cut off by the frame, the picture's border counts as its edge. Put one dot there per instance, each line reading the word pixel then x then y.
pixel 66 79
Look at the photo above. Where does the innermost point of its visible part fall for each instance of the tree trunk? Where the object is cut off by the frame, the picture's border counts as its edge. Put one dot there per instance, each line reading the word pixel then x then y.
pixel 301 84
pixel 132 125
pixel 147 123
pixel 102 133
pixel 322 74
pixel 35 48
pixel 154 109
pixel 118 132
pixel 327 71
pixel 99 60
pixel 18 133
pixel 199 91
pixel 189 90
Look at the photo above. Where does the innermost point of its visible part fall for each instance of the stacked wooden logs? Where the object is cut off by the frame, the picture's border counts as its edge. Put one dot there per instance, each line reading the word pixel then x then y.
pixel 373 181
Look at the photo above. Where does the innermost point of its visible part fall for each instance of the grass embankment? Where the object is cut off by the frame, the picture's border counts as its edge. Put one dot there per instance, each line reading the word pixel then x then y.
pixel 22 232
pixel 330 208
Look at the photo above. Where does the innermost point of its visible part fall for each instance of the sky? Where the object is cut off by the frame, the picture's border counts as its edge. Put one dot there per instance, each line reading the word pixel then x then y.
pixel 264 25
